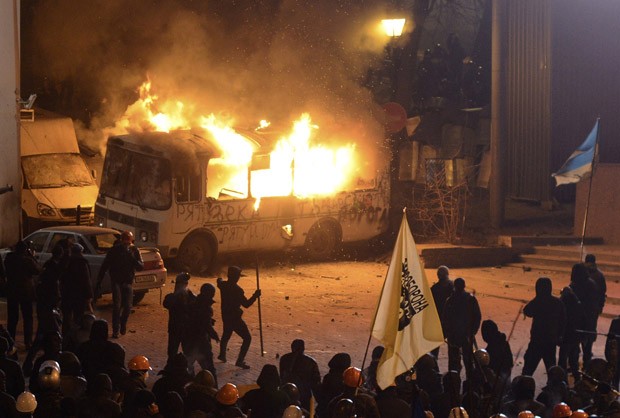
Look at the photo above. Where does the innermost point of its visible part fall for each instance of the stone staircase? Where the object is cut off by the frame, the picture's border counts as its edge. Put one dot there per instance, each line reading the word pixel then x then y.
pixel 557 256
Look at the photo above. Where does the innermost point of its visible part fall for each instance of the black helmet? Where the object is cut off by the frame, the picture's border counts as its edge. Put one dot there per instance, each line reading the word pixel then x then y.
pixel 183 277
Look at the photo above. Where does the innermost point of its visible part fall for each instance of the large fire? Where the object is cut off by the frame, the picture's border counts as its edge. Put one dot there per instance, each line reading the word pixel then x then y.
pixel 297 164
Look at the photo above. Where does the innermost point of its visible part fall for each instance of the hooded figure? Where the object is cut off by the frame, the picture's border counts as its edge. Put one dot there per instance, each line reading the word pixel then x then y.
pixel 460 321
pixel 268 401
pixel 302 370
pixel 548 323
pixel 587 292
pixel 333 383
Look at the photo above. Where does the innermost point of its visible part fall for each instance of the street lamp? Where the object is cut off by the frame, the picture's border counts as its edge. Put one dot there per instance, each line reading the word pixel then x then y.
pixel 393 27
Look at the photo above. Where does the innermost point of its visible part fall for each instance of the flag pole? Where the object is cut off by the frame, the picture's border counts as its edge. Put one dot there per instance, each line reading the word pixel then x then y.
pixel 585 215
pixel 374 319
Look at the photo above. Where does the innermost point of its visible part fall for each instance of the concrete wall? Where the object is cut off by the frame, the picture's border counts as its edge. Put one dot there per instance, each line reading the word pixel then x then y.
pixel 603 219
pixel 9 141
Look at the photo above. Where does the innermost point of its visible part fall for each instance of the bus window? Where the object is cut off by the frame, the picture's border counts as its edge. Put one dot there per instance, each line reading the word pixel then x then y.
pixel 188 188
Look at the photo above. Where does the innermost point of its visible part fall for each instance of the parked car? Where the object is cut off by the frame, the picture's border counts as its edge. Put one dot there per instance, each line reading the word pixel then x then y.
pixel 96 242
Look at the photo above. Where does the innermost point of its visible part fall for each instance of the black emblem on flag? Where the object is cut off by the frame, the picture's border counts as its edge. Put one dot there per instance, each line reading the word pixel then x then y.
pixel 412 301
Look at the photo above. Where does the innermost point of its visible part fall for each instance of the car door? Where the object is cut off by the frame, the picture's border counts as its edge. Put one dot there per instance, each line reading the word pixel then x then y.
pixel 94 259
pixel 38 242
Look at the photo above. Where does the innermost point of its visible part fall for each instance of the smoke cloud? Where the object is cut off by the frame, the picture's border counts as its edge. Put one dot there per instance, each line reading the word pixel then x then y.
pixel 244 59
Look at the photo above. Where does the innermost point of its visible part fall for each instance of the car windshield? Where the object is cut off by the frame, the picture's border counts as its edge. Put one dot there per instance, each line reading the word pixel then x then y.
pixel 136 178
pixel 102 242
pixel 56 170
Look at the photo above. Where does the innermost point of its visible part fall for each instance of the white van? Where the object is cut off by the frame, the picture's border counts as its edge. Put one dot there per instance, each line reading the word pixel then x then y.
pixel 56 180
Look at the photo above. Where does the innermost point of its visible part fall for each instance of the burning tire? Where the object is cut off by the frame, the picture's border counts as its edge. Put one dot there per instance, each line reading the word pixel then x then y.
pixel 322 240
pixel 195 254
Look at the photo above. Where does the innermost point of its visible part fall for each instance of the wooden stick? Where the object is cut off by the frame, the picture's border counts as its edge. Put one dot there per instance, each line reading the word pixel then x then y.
pixel 260 318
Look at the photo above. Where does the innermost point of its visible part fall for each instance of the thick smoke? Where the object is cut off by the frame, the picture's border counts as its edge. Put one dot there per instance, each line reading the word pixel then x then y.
pixel 247 59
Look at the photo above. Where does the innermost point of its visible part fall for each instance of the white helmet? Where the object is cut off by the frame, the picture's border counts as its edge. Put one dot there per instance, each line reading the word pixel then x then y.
pixel 458 412
pixel 49 375
pixel 26 403
pixel 292 411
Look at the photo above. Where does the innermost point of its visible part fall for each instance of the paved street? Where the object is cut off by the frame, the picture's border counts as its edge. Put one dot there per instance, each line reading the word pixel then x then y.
pixel 331 306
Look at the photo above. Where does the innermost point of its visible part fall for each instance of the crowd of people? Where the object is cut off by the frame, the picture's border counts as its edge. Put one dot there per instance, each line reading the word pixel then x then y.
pixel 74 368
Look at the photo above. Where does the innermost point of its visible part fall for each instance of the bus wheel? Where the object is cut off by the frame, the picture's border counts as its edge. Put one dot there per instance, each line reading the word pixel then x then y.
pixel 321 241
pixel 138 296
pixel 195 255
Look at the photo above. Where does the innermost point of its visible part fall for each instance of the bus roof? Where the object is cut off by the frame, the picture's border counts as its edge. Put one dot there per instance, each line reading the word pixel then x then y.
pixel 176 144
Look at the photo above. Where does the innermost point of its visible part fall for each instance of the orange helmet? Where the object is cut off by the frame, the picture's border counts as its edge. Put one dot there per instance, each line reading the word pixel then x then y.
pixel 352 377
pixel 139 363
pixel 562 410
pixel 429 414
pixel 227 395
pixel 526 414
pixel 580 413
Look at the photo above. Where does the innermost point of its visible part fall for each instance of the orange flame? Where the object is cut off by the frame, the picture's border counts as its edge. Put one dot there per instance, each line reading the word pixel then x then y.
pixel 298 164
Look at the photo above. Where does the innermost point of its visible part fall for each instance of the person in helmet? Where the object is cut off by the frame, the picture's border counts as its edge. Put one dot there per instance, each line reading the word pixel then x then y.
pixel 174 377
pixel 179 304
pixel 100 355
pixel 122 260
pixel 139 368
pixel 458 412
pixel 26 404
pixel 523 389
pixel 20 269
pixel 332 384
pixel 48 393
pixel 301 369
pixel 233 298
pixel 100 399
pixel 556 390
pixel 268 401
pixel 52 346
pixel 365 405
pixel 390 404
pixel 15 381
pixel 203 332
pixel 293 411
pixel 72 382
pixel 201 393
pixel 498 348
pixel 76 291
pixel 561 410
pixel 226 398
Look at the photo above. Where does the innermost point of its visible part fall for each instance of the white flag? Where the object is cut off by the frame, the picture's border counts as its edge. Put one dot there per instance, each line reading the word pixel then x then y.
pixel 406 321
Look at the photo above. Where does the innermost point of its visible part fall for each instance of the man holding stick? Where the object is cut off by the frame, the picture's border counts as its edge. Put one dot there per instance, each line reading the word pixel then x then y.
pixel 233 298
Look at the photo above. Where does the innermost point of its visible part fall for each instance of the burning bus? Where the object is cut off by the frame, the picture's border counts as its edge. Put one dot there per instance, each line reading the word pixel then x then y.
pixel 195 194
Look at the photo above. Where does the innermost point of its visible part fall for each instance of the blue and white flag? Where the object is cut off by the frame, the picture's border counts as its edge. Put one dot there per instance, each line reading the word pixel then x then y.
pixel 579 164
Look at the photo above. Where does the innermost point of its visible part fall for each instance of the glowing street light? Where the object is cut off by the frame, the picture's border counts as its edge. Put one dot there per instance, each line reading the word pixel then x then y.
pixel 393 27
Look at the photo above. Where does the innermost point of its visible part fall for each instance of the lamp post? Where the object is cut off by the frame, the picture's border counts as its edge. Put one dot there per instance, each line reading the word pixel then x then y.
pixel 393 28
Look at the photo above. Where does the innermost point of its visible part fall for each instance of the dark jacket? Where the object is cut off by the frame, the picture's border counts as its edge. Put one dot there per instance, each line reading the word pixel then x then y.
pixel 233 298
pixel 547 313
pixel 575 316
pixel 20 269
pixel 267 401
pixel 601 284
pixel 122 262
pixel 179 305
pixel 461 317
pixel 588 293
pixel 303 371
pixel 76 285
pixel 48 286
pixel 441 291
